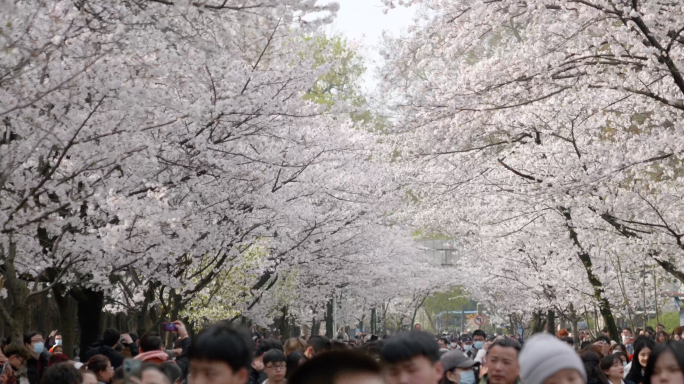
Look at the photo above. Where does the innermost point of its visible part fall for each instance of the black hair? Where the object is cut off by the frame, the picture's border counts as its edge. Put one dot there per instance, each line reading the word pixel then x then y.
pixel 650 329
pixel 97 363
pixel 479 332
pixel 266 345
pixel 444 340
pixel 151 341
pixel 640 343
pixel 603 338
pixel 608 361
pixel 326 368
pixel 568 340
pixel 506 343
pixel 110 337
pixel 28 336
pixel 674 347
pixel 585 344
pixel 408 345
pixel 225 343
pixel 172 370
pixel 118 374
pixel 372 348
pixel 274 356
pixel 319 343
pixel 627 328
pixel 61 374
pixel 134 336
pixel 591 362
pixel 292 362
pixel 336 344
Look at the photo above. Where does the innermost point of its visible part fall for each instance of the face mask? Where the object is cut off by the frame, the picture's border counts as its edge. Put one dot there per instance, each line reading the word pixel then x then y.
pixel 624 338
pixel 58 342
pixel 478 344
pixel 467 347
pixel 454 345
pixel 38 348
pixel 467 377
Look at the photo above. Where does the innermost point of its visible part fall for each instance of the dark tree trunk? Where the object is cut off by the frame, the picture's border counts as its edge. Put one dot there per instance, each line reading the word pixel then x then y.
pixel 315 327
pixel 329 331
pixel 374 322
pixel 599 290
pixel 551 322
pixel 67 322
pixel 90 304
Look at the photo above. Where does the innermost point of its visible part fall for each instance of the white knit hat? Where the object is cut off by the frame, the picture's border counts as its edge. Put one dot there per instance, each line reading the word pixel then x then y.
pixel 544 355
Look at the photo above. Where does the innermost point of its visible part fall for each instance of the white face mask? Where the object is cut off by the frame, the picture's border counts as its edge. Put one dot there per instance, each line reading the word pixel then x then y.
pixel 453 345
pixel 467 347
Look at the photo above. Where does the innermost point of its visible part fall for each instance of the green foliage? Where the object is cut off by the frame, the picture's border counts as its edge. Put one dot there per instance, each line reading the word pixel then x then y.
pixel 455 299
pixel 341 83
pixel 670 320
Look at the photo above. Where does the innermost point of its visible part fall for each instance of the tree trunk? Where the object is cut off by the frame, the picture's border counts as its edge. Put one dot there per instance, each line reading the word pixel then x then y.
pixel 315 327
pixel 18 292
pixel 551 322
pixel 329 331
pixel 67 324
pixel 285 323
pixel 90 304
pixel 599 291
pixel 575 327
pixel 374 322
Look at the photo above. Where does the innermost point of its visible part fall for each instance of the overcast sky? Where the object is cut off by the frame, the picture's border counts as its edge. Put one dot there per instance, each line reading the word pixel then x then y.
pixel 362 21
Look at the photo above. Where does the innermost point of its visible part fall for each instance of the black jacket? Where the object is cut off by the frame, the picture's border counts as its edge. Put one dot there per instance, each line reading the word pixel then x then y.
pixel 116 358
pixel 36 367
pixel 182 360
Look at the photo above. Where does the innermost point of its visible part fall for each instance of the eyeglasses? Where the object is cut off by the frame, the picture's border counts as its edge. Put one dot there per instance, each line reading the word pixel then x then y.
pixel 277 367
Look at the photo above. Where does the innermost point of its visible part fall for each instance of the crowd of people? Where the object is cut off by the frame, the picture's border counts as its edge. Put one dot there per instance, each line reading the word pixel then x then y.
pixel 225 354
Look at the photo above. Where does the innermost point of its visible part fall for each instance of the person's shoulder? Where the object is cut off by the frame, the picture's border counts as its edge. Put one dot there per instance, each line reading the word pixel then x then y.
pixel 627 382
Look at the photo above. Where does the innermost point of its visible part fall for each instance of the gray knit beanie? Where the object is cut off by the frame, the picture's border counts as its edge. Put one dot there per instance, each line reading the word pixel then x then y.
pixel 544 355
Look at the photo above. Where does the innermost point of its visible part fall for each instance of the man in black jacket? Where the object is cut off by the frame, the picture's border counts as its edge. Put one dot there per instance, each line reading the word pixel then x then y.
pixel 257 374
pixel 110 340
pixel 37 364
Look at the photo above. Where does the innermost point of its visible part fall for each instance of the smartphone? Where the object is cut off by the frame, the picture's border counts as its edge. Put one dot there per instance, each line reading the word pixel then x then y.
pixel 132 368
pixel 169 327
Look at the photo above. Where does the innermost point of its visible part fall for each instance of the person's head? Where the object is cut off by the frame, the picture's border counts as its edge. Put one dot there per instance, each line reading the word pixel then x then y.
pixel 592 366
pixel 172 370
pixel 613 366
pixel 412 357
pixel 275 365
pixel 89 377
pixel 153 374
pixel 479 337
pixel 294 360
pixel 220 354
pixel 643 346
pixel 418 327
pixel 16 355
pixel 294 344
pixel 568 340
pixel 61 374
pixel 562 333
pixel 56 359
pixel 101 366
pixel 33 341
pixel 502 361
pixel 58 339
pixel 597 348
pixel 57 349
pixel 443 343
pixel 660 328
pixel 111 337
pixel 466 343
pixel 458 368
pixel 626 331
pixel 316 345
pixel 151 341
pixel 604 342
pixel 547 360
pixel 666 364
pixel 662 337
pixel 118 376
pixel 338 367
pixel 605 331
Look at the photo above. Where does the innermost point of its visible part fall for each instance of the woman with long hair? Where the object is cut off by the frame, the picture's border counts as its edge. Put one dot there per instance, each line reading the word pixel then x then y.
pixel 643 346
pixel 666 364
pixel 614 367
pixel 592 361
pixel 662 337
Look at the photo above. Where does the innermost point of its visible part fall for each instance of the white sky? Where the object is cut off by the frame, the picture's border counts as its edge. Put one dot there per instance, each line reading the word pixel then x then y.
pixel 362 21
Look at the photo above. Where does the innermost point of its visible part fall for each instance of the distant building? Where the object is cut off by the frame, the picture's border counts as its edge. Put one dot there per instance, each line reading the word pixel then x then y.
pixel 441 252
